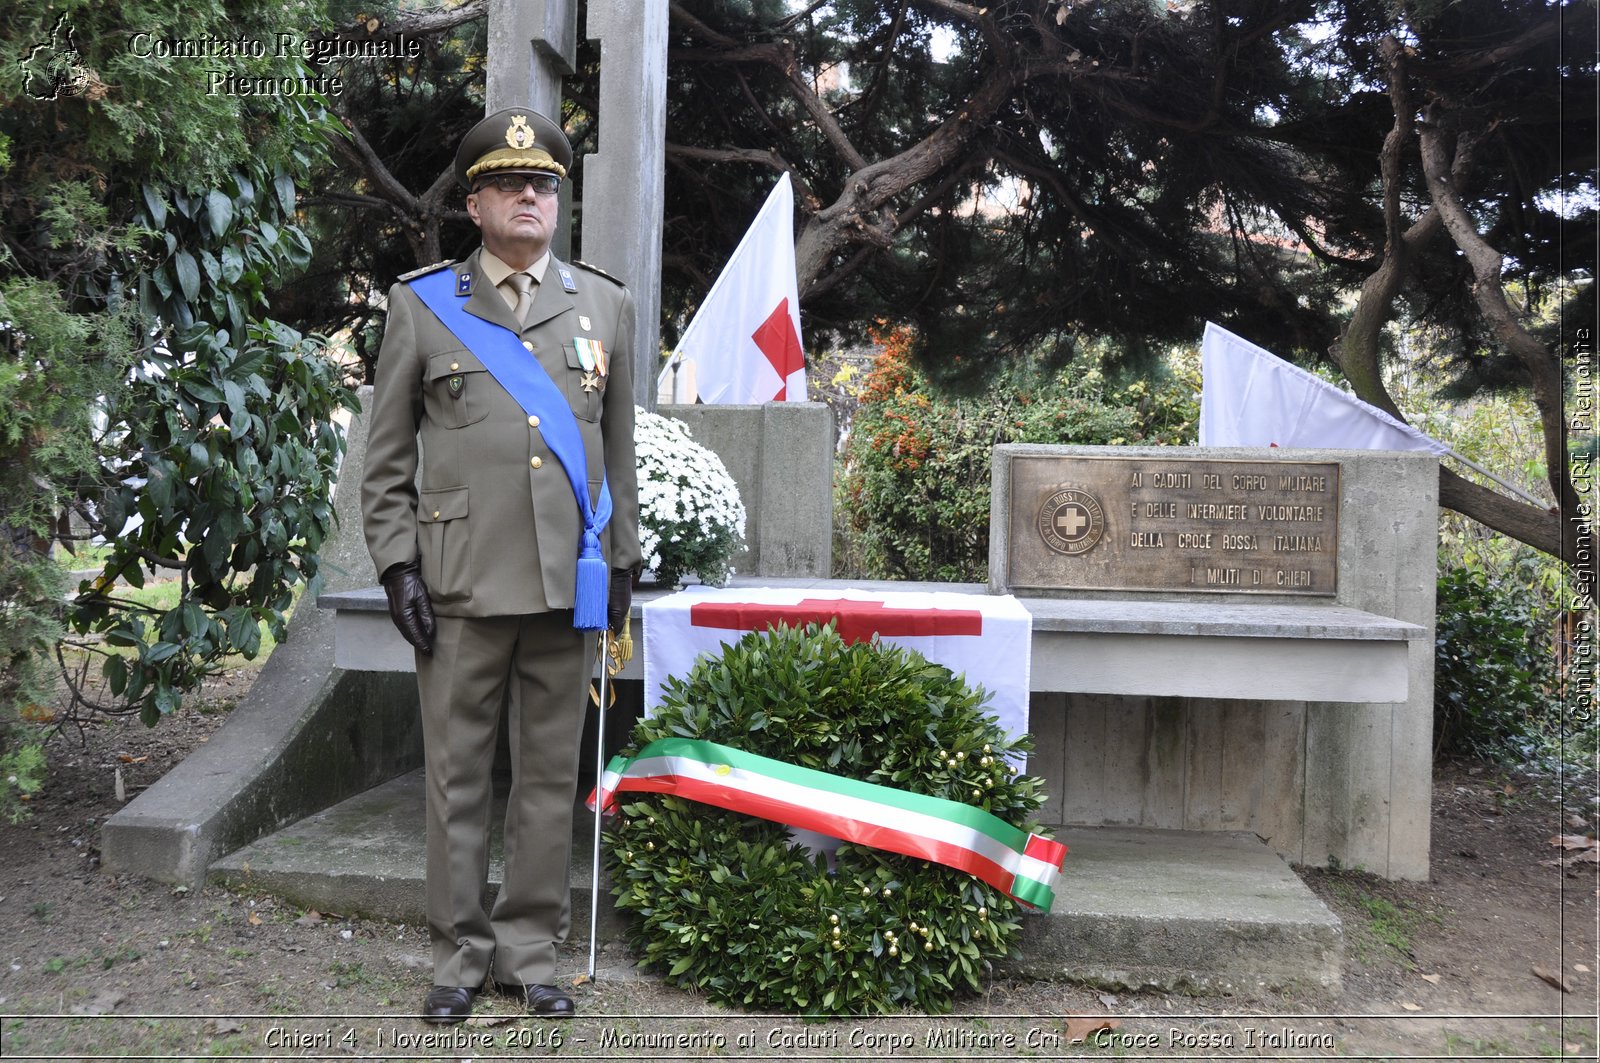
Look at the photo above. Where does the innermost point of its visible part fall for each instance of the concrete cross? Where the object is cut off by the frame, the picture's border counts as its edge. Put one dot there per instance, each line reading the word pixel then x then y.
pixel 532 46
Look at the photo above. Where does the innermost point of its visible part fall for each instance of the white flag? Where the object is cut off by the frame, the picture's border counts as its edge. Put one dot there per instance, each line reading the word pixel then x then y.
pixel 744 340
pixel 1252 398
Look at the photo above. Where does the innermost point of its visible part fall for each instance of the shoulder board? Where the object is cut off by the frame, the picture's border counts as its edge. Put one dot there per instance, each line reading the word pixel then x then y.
pixel 424 271
pixel 597 270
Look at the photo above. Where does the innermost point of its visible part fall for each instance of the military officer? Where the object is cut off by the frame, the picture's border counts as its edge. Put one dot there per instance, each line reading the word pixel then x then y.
pixel 513 370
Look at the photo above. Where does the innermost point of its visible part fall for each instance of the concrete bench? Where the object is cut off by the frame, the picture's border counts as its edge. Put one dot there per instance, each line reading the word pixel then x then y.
pixel 1181 649
pixel 1287 721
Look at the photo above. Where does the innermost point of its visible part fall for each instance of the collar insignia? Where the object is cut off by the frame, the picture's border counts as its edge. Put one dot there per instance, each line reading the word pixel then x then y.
pixel 464 284
pixel 567 281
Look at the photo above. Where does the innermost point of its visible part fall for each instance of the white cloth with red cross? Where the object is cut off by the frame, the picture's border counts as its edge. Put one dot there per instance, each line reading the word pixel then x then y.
pixel 986 638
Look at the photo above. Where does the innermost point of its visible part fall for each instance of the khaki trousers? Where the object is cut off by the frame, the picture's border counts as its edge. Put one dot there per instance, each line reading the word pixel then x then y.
pixel 539 659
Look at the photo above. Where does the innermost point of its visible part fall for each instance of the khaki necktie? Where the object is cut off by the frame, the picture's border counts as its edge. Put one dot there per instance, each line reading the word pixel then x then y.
pixel 524 286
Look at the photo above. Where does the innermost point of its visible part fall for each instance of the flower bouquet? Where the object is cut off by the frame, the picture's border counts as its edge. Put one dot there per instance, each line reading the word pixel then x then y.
pixel 691 518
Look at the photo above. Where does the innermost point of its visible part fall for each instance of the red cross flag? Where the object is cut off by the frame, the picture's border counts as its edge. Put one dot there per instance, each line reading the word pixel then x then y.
pixel 988 638
pixel 743 345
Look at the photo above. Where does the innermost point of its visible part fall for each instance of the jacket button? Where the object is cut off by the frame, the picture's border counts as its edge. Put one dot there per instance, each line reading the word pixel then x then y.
pixel 535 461
pixel 436 514
pixel 533 422
pixel 454 366
pixel 528 345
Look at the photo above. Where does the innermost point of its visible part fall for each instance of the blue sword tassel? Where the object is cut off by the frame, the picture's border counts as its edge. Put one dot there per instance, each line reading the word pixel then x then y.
pixel 593 588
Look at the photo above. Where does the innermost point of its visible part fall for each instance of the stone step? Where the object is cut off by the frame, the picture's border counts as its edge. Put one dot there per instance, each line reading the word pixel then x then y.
pixel 1187 911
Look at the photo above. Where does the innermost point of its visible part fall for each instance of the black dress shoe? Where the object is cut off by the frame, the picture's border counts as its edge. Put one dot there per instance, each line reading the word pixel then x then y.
pixel 545 1000
pixel 447 1004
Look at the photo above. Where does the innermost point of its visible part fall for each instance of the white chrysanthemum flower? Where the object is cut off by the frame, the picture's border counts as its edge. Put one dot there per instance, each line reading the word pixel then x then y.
pixel 691 518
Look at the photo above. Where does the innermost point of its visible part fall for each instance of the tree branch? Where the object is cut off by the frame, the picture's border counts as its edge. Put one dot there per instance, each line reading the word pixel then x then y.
pixel 411 23
pixel 767 158
pixel 357 150
pixel 1357 350
pixel 1543 369
pixel 349 199
pixel 1539 528
pixel 677 13
pixel 826 122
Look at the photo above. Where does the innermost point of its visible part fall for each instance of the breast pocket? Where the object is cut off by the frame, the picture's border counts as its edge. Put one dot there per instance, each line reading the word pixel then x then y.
pixel 455 389
pixel 585 387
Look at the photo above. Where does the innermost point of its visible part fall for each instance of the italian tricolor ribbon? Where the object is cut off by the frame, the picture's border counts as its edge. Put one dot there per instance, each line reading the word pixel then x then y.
pixel 1021 865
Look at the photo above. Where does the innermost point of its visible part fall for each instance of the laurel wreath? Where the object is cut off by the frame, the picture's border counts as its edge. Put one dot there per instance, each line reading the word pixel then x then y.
pixel 728 905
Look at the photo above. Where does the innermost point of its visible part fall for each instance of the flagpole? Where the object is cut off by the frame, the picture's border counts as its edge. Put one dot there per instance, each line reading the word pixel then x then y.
pixel 674 361
pixel 1513 488
pixel 599 796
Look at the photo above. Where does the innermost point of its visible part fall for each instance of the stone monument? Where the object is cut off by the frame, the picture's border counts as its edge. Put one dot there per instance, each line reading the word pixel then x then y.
pixel 1250 640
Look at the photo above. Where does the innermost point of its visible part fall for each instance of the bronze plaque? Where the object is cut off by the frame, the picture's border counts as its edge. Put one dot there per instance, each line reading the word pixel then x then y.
pixel 1205 525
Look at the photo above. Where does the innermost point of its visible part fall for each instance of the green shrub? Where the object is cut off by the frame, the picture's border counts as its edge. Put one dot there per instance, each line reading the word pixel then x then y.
pixel 725 904
pixel 1494 683
pixel 22 771
pixel 914 485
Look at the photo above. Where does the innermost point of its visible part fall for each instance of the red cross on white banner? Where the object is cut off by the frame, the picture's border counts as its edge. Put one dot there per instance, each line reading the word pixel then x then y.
pixel 986 638
pixel 857 620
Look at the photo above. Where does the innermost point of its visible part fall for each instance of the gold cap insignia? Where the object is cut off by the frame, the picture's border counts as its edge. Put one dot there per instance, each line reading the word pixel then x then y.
pixel 518 135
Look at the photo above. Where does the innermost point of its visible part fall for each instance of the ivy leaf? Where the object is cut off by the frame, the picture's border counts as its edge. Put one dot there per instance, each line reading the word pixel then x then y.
pixel 232 264
pixel 161 651
pixel 219 210
pixel 188 274
pixel 156 206
pixel 116 672
pixel 285 186
pixel 235 396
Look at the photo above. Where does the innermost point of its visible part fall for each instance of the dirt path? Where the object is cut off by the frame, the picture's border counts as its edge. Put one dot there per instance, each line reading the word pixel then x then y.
pixel 97 965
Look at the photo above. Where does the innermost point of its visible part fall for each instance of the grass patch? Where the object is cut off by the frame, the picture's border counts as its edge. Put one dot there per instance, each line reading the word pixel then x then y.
pixel 1381 925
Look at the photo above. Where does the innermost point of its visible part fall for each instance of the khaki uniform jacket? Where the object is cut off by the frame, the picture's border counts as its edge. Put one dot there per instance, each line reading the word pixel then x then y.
pixel 493 517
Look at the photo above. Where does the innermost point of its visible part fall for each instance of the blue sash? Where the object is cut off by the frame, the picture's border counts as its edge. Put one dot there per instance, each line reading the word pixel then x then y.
pixel 519 372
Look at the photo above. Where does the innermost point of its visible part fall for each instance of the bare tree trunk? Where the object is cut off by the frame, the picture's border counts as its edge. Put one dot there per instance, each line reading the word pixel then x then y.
pixel 1542 367
pixel 1358 348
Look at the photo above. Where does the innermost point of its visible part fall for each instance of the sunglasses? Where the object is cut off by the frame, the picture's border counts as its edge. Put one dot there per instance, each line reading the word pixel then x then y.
pixel 545 184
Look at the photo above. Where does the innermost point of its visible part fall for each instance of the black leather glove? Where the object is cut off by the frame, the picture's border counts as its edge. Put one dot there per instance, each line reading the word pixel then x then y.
pixel 409 606
pixel 620 600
